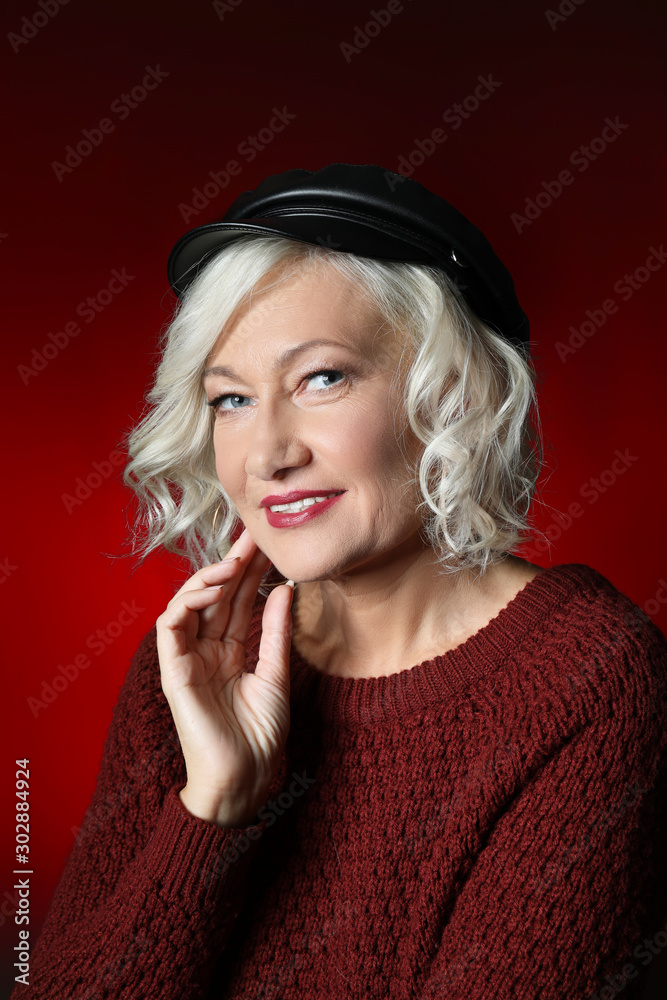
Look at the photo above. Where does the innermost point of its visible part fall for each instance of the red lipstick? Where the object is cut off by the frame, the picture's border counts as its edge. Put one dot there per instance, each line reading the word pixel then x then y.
pixel 285 519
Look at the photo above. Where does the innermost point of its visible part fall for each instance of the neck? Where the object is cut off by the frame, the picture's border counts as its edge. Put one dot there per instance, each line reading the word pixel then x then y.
pixel 377 621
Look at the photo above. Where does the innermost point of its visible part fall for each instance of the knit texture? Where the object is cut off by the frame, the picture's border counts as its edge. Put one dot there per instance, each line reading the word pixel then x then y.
pixel 487 824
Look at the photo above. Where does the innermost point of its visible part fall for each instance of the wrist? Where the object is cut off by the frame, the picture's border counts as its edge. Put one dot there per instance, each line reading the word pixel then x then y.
pixel 228 813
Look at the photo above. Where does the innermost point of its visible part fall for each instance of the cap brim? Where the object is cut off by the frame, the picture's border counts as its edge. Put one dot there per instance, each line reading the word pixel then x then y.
pixel 196 248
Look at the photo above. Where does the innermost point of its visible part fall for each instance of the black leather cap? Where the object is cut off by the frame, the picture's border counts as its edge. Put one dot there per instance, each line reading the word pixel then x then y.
pixel 371 212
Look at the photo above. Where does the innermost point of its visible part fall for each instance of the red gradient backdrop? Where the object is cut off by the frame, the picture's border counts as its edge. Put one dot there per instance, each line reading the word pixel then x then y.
pixel 219 73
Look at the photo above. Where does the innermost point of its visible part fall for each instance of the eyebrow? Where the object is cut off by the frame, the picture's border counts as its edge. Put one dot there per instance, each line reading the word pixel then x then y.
pixel 280 362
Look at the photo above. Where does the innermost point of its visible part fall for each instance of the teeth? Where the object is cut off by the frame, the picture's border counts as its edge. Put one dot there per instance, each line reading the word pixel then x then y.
pixel 299 504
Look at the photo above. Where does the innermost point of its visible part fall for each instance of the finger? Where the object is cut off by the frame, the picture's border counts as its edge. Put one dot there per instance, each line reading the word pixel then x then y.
pixel 220 621
pixel 213 621
pixel 177 626
pixel 243 604
pixel 194 625
pixel 243 547
pixel 226 573
pixel 273 663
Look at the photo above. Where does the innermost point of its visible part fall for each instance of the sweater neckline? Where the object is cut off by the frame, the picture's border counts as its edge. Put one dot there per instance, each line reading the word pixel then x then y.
pixel 514 632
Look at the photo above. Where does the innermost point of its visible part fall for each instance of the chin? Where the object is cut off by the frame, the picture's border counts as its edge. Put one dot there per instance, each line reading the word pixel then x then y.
pixel 302 575
pixel 302 564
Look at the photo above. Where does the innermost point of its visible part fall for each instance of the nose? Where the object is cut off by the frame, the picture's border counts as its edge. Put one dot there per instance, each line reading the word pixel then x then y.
pixel 275 442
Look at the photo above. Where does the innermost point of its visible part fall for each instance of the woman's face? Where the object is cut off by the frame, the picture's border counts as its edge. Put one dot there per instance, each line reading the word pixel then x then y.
pixel 281 427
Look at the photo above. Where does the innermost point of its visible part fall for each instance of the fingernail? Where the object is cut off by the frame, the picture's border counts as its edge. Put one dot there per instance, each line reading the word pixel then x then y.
pixel 290 583
pixel 230 559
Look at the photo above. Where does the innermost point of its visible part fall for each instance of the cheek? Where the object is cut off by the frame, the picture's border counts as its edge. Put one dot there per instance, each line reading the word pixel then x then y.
pixel 229 464
pixel 357 435
pixel 363 439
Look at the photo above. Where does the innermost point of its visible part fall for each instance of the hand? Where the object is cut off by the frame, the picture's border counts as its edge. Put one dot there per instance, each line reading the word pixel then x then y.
pixel 232 725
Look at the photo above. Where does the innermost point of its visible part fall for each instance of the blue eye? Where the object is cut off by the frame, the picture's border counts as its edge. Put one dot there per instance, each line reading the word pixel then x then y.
pixel 326 372
pixel 230 396
pixel 217 403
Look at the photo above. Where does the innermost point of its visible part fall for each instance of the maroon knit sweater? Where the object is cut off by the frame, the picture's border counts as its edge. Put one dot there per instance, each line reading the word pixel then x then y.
pixel 487 824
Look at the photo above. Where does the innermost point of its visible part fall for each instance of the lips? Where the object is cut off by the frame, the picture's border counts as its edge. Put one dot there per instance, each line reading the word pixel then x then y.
pixel 295 495
pixel 286 519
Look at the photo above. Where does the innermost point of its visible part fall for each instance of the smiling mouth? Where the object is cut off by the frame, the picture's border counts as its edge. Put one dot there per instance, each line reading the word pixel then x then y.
pixel 298 505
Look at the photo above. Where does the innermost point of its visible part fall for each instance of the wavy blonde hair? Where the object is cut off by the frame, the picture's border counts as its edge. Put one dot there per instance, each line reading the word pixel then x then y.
pixel 469 397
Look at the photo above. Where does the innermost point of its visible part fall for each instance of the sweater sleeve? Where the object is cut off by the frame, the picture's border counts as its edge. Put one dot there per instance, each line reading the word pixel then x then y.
pixel 149 893
pixel 568 889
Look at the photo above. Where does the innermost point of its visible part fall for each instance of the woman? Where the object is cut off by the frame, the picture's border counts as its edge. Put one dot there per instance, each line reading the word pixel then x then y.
pixel 422 768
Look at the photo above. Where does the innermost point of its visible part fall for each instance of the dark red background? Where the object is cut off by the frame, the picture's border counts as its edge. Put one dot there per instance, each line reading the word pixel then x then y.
pixel 120 209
